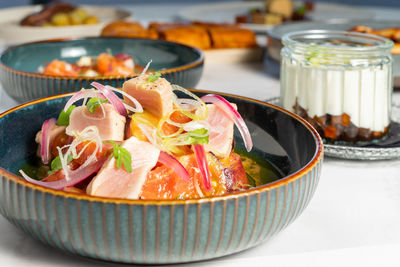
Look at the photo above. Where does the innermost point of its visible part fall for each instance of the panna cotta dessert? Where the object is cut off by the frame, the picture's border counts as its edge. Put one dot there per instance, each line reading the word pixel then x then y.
pixel 338 81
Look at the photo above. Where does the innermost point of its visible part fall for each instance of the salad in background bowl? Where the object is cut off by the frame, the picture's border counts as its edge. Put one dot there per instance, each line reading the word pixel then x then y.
pixel 180 64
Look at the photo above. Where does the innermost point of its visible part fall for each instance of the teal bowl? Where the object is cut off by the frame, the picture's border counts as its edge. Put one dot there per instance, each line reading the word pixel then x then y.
pixel 161 232
pixel 180 64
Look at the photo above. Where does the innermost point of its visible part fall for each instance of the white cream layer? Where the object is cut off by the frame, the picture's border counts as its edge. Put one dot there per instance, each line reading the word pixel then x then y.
pixel 362 93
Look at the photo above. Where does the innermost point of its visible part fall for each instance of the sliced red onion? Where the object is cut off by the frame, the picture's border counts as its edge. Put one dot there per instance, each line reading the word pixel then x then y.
pixel 223 104
pixel 82 95
pixel 45 140
pixel 113 98
pixel 122 56
pixel 138 107
pixel 75 176
pixel 172 163
pixel 201 159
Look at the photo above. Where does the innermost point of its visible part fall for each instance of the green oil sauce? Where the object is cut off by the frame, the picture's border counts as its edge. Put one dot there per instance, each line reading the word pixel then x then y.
pixel 259 171
pixel 34 168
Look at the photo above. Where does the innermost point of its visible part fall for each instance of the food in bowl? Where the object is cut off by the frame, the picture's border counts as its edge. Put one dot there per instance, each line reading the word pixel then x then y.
pixel 151 145
pixel 198 34
pixel 174 231
pixel 390 33
pixel 276 12
pixel 104 64
pixel 59 14
pixel 340 82
pixel 178 63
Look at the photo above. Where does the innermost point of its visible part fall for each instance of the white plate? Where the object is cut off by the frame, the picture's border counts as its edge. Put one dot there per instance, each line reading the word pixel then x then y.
pixel 226 12
pixel 12 33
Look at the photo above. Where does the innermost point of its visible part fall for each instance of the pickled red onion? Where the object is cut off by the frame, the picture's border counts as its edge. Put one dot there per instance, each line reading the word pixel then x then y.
pixel 224 105
pixel 113 98
pixel 76 176
pixel 171 162
pixel 122 56
pixel 201 159
pixel 45 139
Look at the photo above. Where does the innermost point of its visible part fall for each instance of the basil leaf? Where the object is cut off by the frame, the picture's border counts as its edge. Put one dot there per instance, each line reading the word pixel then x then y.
pixel 126 159
pixel 56 164
pixel 63 118
pixel 121 155
pixel 93 104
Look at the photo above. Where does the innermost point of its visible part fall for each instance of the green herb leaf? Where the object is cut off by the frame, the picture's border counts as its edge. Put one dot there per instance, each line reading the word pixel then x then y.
pixel 93 103
pixel 154 77
pixel 121 155
pixel 56 164
pixel 63 118
pixel 199 136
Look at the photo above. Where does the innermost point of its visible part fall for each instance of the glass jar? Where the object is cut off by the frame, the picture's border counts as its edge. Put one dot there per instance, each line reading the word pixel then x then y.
pixel 341 82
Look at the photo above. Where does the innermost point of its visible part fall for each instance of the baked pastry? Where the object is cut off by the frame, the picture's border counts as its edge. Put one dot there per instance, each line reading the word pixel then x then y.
pixel 390 33
pixel 128 29
pixel 187 34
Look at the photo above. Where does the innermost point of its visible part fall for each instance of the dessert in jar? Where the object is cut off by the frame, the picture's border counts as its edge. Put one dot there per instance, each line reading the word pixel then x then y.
pixel 340 82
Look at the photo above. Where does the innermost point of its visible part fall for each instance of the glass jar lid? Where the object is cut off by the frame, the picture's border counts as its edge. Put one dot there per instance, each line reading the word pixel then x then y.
pixel 337 42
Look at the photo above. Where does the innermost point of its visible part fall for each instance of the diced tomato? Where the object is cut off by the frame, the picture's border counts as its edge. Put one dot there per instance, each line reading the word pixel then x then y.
pixel 108 65
pixel 59 141
pixel 60 68
pixel 163 183
pixel 236 178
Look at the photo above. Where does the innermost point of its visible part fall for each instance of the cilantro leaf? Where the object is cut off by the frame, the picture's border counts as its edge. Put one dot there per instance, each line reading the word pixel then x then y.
pixel 154 77
pixel 93 103
pixel 56 164
pixel 121 155
pixel 63 118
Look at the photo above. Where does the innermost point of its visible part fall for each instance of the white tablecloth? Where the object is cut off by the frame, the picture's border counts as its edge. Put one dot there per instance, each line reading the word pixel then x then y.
pixel 353 219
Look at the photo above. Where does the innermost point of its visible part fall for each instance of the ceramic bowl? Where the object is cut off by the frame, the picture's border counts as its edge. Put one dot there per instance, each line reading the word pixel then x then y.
pixel 160 232
pixel 178 63
pixel 12 33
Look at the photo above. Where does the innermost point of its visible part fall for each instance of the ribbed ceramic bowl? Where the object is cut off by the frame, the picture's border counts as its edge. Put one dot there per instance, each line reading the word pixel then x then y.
pixel 156 232
pixel 178 63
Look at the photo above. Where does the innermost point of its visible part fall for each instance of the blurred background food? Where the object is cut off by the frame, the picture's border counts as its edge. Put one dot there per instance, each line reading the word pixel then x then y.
pixel 276 11
pixel 198 34
pixel 59 14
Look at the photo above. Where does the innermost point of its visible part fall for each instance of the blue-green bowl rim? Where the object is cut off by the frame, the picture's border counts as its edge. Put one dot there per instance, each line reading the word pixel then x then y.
pixel 317 157
pixel 197 62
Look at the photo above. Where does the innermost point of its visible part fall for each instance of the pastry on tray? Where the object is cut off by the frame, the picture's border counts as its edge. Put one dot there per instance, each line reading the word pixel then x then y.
pixel 128 29
pixel 198 34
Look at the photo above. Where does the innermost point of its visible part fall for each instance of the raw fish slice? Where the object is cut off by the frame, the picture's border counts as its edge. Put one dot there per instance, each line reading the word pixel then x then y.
pixel 111 124
pixel 156 97
pixel 118 183
pixel 221 132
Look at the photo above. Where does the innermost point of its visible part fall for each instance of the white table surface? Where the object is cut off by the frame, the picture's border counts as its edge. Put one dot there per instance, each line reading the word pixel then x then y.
pixel 353 219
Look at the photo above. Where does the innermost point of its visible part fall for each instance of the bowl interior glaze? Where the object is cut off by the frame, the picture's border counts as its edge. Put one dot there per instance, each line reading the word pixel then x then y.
pixel 278 137
pixel 164 55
